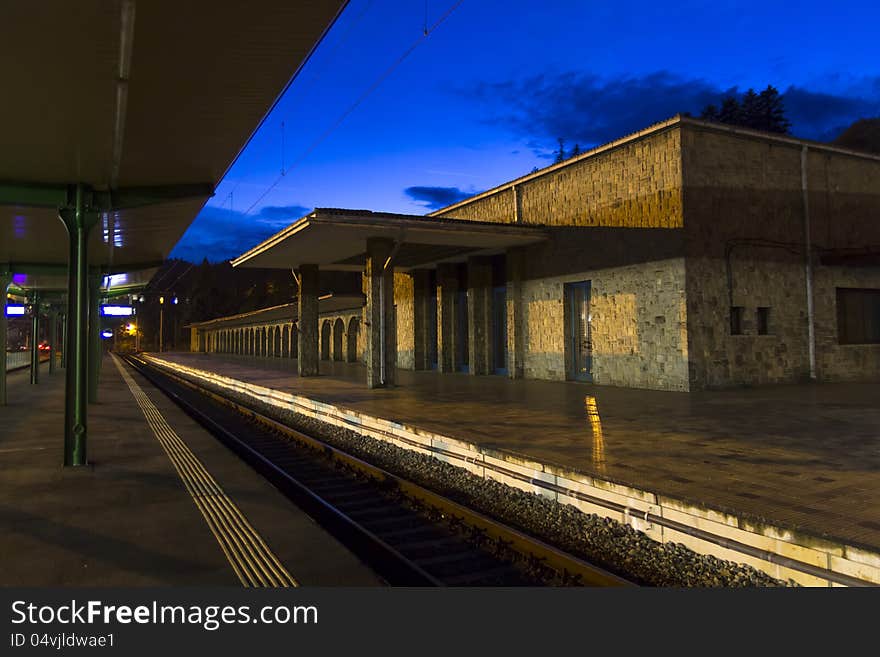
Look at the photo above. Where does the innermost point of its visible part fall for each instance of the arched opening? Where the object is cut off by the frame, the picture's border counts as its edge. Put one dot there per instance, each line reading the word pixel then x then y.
pixel 294 341
pixel 285 342
pixel 351 352
pixel 325 340
pixel 277 350
pixel 338 338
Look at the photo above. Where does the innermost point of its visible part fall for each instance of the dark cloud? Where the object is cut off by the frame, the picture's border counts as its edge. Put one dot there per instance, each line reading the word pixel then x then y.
pixel 282 214
pixel 437 197
pixel 221 234
pixel 588 109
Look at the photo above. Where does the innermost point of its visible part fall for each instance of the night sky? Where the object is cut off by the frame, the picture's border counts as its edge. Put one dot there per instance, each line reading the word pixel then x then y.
pixel 385 118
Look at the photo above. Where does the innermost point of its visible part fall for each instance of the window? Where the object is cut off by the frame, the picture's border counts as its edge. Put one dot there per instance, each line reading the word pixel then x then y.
pixel 858 316
pixel 763 320
pixel 736 320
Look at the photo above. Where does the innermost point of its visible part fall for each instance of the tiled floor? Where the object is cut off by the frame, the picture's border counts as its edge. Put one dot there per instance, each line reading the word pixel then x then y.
pixel 804 456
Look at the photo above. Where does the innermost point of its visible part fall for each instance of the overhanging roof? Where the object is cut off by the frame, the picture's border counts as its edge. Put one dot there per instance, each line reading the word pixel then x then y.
pixel 153 98
pixel 287 312
pixel 337 240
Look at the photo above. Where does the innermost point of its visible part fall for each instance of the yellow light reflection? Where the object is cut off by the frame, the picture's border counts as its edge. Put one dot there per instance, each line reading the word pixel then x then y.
pixel 598 437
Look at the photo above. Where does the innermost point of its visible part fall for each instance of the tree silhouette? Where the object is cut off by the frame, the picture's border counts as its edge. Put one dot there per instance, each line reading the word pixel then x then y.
pixel 763 111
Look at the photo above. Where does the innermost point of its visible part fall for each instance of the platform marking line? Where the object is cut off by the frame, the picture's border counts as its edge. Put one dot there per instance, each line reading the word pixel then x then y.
pixel 252 560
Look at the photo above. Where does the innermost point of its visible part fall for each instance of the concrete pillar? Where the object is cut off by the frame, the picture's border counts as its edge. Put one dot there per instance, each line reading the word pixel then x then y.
pixel 515 262
pixel 35 339
pixel 381 330
pixel 447 291
pixel 64 349
pixel 421 318
pixel 479 315
pixel 5 280
pixel 307 325
pixel 94 335
pixel 53 338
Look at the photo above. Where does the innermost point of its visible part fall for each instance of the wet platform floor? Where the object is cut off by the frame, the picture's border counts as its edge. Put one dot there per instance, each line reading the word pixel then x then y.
pixel 800 456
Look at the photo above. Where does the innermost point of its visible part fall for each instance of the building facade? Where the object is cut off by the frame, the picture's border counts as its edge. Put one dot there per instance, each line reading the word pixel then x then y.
pixel 686 256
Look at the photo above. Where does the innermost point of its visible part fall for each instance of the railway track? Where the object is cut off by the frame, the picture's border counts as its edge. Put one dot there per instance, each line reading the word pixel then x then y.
pixel 409 535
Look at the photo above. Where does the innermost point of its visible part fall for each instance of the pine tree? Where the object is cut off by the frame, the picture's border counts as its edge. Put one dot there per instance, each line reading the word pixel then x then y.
pixel 560 154
pixel 575 151
pixel 710 113
pixel 772 111
pixel 750 114
pixel 730 111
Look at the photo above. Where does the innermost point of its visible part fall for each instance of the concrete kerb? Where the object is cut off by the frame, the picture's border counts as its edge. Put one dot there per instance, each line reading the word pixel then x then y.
pixel 778 551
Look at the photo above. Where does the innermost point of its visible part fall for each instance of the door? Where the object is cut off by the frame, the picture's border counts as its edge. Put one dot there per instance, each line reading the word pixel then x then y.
pixel 499 329
pixel 580 346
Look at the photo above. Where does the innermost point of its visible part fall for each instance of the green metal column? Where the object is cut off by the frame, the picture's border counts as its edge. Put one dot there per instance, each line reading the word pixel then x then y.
pixel 35 339
pixel 94 335
pixel 64 340
pixel 53 338
pixel 5 280
pixel 79 223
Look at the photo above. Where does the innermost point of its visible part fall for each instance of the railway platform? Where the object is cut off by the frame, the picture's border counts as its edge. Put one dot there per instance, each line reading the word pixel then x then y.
pixel 784 478
pixel 161 502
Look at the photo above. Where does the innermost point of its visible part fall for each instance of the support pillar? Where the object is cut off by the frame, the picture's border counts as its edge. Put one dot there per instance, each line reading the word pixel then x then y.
pixel 421 319
pixel 94 335
pixel 381 330
pixel 479 315
pixel 35 339
pixel 5 280
pixel 53 338
pixel 64 348
pixel 307 325
pixel 79 223
pixel 447 291
pixel 515 329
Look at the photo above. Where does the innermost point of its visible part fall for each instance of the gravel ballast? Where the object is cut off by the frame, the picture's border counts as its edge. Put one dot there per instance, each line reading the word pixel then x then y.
pixel 610 544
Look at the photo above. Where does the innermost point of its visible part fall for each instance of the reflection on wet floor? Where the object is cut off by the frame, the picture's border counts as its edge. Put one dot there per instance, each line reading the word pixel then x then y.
pixel 706 447
pixel 598 438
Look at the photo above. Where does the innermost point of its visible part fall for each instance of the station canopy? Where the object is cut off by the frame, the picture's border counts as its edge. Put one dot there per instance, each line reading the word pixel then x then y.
pixel 336 240
pixel 286 312
pixel 144 103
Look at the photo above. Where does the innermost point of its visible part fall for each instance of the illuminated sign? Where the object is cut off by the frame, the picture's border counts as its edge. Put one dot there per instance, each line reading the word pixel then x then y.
pixel 14 311
pixel 116 311
pixel 106 334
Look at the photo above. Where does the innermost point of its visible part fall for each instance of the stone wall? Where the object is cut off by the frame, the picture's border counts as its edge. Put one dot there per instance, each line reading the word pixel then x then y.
pixel 404 319
pixel 633 184
pixel 745 243
pixel 639 325
pixel 835 361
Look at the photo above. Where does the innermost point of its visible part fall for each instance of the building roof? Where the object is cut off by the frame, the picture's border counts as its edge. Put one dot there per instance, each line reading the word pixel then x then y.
pixel 674 122
pixel 336 239
pixel 146 103
pixel 287 312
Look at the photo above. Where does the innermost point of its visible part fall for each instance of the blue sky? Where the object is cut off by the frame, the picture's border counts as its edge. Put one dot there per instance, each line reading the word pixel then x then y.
pixel 386 118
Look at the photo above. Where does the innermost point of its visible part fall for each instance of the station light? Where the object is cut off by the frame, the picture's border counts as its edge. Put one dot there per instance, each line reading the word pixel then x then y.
pixel 131 329
pixel 161 300
pixel 174 301
pixel 116 311
pixel 106 334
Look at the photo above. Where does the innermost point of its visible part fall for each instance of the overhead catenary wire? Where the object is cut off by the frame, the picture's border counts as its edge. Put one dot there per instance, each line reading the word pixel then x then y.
pixel 351 108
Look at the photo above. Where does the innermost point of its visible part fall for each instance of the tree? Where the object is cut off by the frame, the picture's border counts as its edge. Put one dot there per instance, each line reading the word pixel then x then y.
pixel 575 151
pixel 560 154
pixel 763 111
pixel 862 135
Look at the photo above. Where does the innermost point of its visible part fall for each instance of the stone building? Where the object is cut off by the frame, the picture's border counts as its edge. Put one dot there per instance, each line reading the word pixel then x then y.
pixel 686 256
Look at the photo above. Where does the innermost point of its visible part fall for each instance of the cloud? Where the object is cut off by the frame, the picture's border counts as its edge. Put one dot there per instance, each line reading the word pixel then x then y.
pixel 435 198
pixel 282 215
pixel 587 109
pixel 221 234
